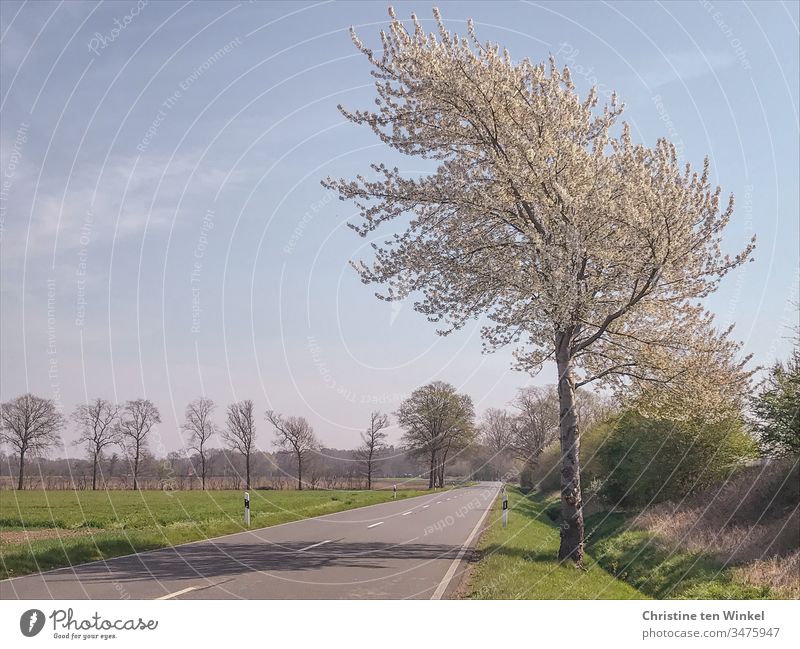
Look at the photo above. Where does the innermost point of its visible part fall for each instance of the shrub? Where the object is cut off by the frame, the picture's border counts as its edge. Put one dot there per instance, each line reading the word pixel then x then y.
pixel 644 460
pixel 753 516
pixel 527 480
pixel 776 408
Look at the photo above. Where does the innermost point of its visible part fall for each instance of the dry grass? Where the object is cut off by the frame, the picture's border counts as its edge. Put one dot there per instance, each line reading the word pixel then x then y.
pixel 25 536
pixel 782 574
pixel 751 522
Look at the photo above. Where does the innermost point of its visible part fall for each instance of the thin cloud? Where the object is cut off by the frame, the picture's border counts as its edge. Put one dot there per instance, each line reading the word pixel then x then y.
pixel 130 198
pixel 685 65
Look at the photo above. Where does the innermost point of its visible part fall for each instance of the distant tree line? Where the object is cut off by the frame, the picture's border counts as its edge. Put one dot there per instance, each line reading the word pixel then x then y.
pixel 629 456
pixel 438 423
pixel 327 468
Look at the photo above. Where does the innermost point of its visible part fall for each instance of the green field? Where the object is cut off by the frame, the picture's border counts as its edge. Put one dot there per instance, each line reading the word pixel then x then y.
pixel 518 562
pixel 40 530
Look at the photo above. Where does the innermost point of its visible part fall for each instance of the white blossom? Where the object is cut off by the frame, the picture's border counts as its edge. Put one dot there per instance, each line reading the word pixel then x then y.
pixel 580 245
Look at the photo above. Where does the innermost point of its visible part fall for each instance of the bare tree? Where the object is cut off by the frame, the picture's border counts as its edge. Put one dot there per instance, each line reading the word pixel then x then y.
pixel 136 421
pixel 578 245
pixel 536 424
pixel 294 434
pixel 592 408
pixel 373 441
pixel 497 432
pixel 436 420
pixel 96 422
pixel 200 428
pixel 30 425
pixel 240 432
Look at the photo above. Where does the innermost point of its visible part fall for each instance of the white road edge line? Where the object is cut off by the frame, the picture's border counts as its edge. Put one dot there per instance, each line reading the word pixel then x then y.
pixel 315 545
pixel 442 587
pixel 375 525
pixel 180 592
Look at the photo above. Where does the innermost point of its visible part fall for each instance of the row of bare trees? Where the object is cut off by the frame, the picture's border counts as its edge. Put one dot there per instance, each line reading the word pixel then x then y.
pixel 31 425
pixel 292 434
pixel 438 425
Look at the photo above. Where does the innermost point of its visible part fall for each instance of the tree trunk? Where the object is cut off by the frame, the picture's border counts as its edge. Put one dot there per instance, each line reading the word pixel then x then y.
pixel 571 502
pixel 94 472
pixel 432 474
pixel 441 469
pixel 299 473
pixel 136 469
pixel 203 471
pixel 21 469
pixel 247 471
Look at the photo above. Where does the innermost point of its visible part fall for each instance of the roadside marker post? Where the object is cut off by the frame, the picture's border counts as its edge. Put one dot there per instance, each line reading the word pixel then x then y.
pixel 247 508
pixel 505 507
pixel 394 493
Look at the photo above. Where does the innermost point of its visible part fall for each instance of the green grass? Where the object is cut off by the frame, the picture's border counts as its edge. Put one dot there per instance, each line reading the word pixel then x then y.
pixel 518 562
pixel 622 563
pixel 646 562
pixel 121 522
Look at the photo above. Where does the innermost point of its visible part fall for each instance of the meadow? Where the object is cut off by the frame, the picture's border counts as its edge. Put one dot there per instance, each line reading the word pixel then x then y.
pixel 41 530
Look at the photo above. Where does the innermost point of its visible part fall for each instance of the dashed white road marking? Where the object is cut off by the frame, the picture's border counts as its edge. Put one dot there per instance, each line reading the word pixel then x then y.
pixel 180 592
pixel 425 506
pixel 438 502
pixel 315 545
pixel 375 525
pixel 407 513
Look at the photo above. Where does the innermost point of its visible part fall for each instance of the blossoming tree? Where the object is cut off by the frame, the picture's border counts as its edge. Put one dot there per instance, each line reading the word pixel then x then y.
pixel 575 244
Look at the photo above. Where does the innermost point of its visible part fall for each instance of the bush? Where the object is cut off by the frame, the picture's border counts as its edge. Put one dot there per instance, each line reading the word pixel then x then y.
pixel 546 475
pixel 644 460
pixel 777 408
pixel 527 480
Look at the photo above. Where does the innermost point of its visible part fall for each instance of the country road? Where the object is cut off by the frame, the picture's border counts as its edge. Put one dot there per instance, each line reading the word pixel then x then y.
pixel 411 548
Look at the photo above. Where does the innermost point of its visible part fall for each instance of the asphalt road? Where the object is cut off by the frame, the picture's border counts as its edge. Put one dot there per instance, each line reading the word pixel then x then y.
pixel 411 548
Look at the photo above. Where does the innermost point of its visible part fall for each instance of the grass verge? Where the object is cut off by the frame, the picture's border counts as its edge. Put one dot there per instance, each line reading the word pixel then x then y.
pixel 657 568
pixel 518 562
pixel 41 530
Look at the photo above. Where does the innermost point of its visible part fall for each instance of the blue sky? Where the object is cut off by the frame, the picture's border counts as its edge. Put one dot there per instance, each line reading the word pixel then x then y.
pixel 165 233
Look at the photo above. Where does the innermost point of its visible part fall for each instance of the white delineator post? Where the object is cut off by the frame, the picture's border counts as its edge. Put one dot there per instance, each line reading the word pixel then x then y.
pixel 394 493
pixel 247 508
pixel 505 507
